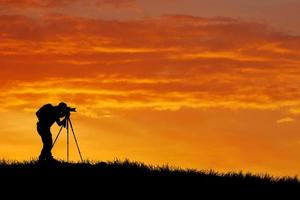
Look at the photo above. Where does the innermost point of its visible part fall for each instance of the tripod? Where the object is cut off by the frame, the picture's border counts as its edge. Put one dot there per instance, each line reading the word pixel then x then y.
pixel 68 124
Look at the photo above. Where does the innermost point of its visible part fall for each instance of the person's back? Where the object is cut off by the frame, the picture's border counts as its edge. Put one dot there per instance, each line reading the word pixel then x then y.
pixel 46 115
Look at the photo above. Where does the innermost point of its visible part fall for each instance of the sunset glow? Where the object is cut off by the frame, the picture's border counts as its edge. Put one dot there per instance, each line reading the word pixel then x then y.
pixel 196 84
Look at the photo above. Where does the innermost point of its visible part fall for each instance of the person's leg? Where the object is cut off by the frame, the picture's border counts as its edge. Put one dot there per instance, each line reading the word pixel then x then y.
pixel 46 136
pixel 48 146
pixel 41 133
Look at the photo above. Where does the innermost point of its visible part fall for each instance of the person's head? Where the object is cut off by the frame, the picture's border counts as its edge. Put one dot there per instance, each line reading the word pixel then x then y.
pixel 62 108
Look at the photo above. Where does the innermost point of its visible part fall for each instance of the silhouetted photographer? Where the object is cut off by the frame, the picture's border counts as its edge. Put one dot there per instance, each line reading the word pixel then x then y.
pixel 47 116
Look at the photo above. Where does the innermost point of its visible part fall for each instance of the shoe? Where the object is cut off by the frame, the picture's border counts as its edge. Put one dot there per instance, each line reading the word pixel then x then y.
pixel 53 161
pixel 48 161
pixel 41 159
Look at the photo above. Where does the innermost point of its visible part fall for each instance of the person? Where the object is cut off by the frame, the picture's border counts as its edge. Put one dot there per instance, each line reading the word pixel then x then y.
pixel 47 116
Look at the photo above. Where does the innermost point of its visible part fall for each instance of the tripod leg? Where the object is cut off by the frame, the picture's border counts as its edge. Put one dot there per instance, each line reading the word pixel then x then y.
pixel 75 140
pixel 68 140
pixel 57 136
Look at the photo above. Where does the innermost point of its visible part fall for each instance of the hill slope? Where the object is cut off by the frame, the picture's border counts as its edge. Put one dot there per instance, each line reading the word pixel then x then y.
pixel 134 175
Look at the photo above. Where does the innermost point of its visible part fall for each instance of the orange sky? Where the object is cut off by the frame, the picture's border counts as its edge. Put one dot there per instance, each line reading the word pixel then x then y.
pixel 204 84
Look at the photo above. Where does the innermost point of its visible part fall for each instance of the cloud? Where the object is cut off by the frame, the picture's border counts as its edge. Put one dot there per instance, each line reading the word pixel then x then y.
pixel 285 120
pixel 169 62
pixel 36 3
pixel 117 3
pixel 49 4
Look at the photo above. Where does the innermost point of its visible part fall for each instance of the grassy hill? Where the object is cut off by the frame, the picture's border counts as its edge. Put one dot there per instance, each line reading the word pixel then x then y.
pixel 136 175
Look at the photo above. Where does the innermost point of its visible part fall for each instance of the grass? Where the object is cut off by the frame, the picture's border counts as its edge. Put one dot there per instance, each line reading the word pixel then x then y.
pixel 136 174
pixel 131 168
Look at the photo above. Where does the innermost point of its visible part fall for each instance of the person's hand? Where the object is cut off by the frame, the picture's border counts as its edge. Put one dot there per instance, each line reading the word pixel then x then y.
pixel 68 115
pixel 64 123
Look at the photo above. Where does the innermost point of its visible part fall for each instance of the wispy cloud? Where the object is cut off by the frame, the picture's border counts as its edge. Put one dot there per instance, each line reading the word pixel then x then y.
pixel 36 3
pixel 170 62
pixel 46 4
pixel 131 4
pixel 285 120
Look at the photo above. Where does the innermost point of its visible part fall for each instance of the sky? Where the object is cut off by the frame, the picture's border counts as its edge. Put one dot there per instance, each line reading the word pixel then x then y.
pixel 205 84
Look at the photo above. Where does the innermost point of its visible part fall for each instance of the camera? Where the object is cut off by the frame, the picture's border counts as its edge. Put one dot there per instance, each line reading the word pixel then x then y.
pixel 69 109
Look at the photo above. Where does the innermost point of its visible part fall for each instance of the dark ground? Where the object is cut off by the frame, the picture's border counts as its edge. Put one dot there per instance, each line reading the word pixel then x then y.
pixel 120 178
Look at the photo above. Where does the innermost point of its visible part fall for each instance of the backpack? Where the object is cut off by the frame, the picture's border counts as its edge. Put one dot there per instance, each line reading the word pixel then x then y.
pixel 44 111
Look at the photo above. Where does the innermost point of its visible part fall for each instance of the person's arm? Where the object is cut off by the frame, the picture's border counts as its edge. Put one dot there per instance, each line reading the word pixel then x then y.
pixel 64 121
pixel 60 123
